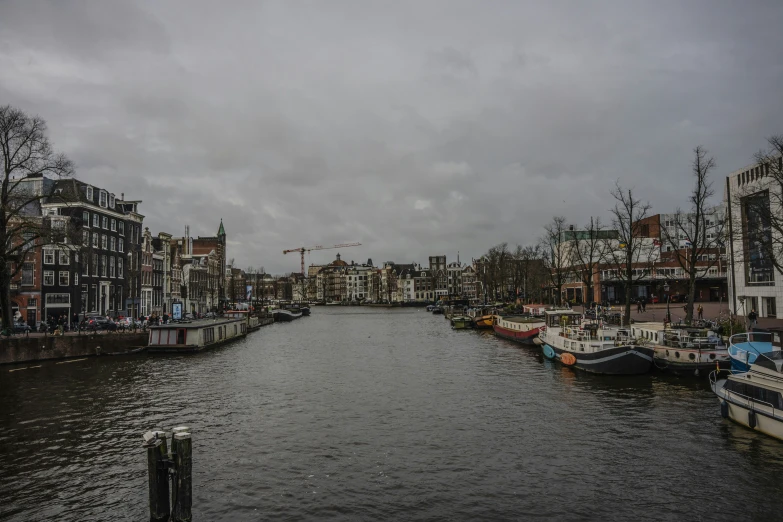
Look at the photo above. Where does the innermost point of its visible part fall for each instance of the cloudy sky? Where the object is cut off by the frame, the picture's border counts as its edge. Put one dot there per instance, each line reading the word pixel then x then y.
pixel 415 128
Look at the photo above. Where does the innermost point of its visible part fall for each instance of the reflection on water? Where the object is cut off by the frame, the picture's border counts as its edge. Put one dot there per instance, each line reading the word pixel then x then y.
pixel 366 414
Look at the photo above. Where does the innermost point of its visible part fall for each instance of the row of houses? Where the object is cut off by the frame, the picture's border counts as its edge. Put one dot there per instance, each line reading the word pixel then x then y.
pixel 106 262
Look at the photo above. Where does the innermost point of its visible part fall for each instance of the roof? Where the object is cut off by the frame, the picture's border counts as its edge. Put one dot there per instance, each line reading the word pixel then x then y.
pixel 221 230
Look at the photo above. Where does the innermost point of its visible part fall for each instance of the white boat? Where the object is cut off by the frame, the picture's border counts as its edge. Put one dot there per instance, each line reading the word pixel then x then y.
pixel 592 345
pixel 195 336
pixel 683 351
pixel 753 398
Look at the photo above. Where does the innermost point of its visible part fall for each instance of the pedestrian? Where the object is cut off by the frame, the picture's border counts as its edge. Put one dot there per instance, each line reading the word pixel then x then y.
pixel 701 312
pixel 638 306
pixel 644 304
pixel 752 316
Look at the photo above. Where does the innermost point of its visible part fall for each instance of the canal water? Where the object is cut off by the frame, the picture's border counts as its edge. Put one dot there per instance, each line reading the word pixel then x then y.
pixel 368 414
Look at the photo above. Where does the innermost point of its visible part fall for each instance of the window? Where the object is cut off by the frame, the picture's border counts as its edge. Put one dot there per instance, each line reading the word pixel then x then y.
pixel 65 258
pixel 119 267
pixel 120 245
pixel 769 305
pixel 85 265
pixel 105 222
pixel 28 274
pixel 84 298
pixel 86 237
pixel 96 220
pixel 102 200
pixel 95 264
pixel 86 218
pixel 112 244
pixel 103 266
pixel 48 278
pixel 48 257
pixel 111 200
pixel 111 267
pixel 89 193
pixel 122 228
pixel 104 241
pixel 64 278
pixel 94 303
pixel 113 225
pixel 95 239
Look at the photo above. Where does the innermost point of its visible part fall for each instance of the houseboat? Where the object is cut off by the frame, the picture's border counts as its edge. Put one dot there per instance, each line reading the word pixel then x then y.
pixel 195 336
pixel 753 398
pixel 593 346
pixel 461 322
pixel 683 351
pixel 744 348
pixel 517 328
pixel 253 322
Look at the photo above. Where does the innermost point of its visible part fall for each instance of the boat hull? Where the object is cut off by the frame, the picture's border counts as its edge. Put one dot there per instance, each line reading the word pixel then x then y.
pixel 462 324
pixel 484 322
pixel 619 360
pixel 285 316
pixel 689 362
pixel 518 336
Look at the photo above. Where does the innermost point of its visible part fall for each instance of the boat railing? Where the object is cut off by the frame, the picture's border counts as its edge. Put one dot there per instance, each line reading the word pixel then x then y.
pixel 750 337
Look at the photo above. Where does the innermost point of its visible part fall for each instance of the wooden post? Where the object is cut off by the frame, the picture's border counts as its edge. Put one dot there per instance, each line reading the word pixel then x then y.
pixel 183 488
pixel 158 476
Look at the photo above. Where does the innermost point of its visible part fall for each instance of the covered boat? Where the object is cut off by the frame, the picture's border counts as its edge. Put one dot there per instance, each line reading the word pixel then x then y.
pixel 461 322
pixel 754 398
pixel 593 346
pixel 195 336
pixel 286 315
pixel 745 348
pixel 518 328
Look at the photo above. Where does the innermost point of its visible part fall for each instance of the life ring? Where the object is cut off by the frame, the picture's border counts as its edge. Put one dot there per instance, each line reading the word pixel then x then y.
pixel 567 359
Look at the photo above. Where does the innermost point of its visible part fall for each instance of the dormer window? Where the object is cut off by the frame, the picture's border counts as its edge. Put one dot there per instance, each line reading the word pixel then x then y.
pixel 89 194
pixel 102 201
pixel 111 200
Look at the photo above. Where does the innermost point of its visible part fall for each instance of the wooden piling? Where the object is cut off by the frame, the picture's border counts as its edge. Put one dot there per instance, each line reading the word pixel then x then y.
pixel 158 477
pixel 183 486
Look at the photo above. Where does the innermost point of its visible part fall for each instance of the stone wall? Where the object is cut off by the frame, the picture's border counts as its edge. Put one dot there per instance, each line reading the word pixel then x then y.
pixel 38 348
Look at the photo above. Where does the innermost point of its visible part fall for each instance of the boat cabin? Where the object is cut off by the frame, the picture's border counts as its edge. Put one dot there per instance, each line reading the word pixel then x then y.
pixel 195 336
pixel 562 318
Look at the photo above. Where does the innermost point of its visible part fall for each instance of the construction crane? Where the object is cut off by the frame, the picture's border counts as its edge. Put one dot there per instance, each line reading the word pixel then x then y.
pixel 302 250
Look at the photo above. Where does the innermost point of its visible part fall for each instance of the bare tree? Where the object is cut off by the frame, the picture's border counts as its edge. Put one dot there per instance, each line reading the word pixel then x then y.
pixel 630 256
pixel 696 236
pixel 531 274
pixel 585 253
pixel 26 153
pixel 554 253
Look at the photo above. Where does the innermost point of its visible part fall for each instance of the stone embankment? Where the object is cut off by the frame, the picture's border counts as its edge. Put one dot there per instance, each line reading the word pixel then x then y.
pixel 21 349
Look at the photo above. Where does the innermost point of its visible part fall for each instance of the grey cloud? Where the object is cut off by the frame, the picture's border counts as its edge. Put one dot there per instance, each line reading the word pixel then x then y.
pixel 415 128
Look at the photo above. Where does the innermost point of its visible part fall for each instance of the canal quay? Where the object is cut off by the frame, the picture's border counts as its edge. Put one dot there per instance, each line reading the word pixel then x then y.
pixel 377 414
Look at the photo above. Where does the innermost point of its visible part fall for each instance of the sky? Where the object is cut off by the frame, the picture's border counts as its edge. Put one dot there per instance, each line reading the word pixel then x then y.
pixel 414 127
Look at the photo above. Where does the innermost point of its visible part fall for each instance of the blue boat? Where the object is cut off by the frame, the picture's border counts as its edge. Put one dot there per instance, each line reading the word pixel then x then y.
pixel 745 348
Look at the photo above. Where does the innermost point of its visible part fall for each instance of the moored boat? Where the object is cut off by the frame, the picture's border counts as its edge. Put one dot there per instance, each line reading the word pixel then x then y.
pixel 517 328
pixel 437 311
pixel 461 322
pixel 593 346
pixel 484 322
pixel 195 336
pixel 683 351
pixel 285 315
pixel 745 348
pixel 754 398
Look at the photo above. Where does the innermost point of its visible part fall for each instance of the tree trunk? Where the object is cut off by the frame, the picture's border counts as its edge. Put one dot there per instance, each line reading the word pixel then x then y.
pixel 5 294
pixel 691 297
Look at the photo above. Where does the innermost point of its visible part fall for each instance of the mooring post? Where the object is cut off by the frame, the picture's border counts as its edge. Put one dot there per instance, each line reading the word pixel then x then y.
pixel 158 476
pixel 182 449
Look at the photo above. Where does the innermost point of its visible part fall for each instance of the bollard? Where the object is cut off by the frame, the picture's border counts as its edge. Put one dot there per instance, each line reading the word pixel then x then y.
pixel 183 487
pixel 158 476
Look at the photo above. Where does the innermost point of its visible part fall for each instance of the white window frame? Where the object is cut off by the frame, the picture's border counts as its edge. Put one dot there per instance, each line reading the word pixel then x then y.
pixel 48 253
pixel 103 198
pixel 105 223
pixel 89 193
pixel 119 267
pixel 111 267
pixel 96 220
pixel 86 218
pixel 103 266
pixel 104 242
pixel 86 238
pixel 67 275
pixel 48 275
pixel 113 225
pixel 111 200
pixel 95 240
pixel 65 257
pixel 85 265
pixel 112 243
pixel 122 228
pixel 120 245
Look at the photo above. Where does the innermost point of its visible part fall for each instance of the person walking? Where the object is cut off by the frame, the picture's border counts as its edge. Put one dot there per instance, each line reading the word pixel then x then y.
pixel 644 304
pixel 700 309
pixel 638 306
pixel 752 316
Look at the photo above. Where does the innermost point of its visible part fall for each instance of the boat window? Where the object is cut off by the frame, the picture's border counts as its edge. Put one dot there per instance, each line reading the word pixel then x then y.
pixel 181 336
pixel 757 393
